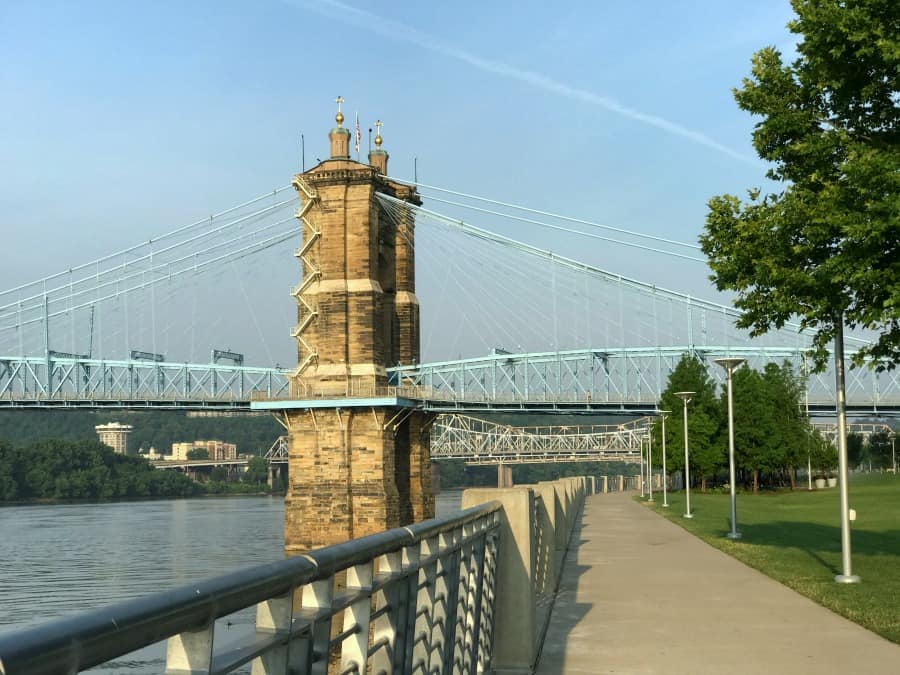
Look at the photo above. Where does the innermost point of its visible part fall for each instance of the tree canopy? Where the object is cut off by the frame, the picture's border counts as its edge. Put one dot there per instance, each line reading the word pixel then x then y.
pixel 83 470
pixel 826 247
pixel 772 437
pixel 706 455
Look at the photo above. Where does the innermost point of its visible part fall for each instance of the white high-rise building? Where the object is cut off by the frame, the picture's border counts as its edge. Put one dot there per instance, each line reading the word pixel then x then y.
pixel 114 435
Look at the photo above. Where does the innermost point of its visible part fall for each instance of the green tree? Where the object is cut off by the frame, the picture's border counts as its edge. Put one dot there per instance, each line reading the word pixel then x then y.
pixel 855 451
pixel 823 455
pixel 218 474
pixel 784 393
pixel 706 453
pixel 198 453
pixel 9 488
pixel 826 247
pixel 257 471
pixel 58 469
pixel 753 422
pixel 878 449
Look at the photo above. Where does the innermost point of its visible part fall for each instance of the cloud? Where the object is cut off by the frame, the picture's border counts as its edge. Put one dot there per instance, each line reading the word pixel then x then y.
pixel 395 30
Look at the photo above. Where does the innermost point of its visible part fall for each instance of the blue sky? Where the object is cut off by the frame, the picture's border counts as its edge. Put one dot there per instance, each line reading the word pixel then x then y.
pixel 120 120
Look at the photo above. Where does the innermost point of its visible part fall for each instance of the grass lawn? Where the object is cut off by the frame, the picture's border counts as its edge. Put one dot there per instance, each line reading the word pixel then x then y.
pixel 795 537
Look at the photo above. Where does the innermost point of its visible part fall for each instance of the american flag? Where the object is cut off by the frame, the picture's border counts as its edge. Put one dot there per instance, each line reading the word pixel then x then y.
pixel 358 134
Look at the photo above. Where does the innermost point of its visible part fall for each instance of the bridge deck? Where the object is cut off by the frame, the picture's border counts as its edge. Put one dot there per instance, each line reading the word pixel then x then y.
pixel 640 595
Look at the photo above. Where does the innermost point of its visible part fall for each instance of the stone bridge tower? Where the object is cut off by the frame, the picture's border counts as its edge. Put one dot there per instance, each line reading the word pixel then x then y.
pixel 358 454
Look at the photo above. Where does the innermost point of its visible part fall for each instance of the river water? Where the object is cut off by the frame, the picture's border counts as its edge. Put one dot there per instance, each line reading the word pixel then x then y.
pixel 61 559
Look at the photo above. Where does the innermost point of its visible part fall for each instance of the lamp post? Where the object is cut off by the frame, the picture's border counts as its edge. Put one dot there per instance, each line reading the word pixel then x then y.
pixel 846 576
pixel 663 415
pixel 650 467
pixel 686 397
pixel 641 479
pixel 730 364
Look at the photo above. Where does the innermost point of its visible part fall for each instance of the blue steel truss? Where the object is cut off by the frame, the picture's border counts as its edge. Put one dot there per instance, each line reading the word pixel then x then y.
pixel 629 379
pixel 94 383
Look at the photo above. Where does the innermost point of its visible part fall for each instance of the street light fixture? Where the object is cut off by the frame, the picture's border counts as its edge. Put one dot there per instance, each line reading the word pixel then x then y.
pixel 730 364
pixel 686 397
pixel 641 479
pixel 846 576
pixel 663 415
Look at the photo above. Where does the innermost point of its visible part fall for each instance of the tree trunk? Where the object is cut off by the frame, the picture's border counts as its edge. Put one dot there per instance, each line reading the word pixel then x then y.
pixel 792 474
pixel 755 481
pixel 703 484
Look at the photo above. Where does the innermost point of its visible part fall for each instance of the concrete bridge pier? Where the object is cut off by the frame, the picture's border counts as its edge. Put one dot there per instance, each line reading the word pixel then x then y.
pixel 276 474
pixel 435 478
pixel 605 487
pixel 504 476
pixel 620 479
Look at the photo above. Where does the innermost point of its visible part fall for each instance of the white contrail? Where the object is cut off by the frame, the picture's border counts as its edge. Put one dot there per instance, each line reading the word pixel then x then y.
pixel 395 30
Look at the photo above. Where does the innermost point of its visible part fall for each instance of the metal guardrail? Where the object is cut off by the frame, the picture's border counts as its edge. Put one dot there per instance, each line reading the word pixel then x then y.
pixel 412 599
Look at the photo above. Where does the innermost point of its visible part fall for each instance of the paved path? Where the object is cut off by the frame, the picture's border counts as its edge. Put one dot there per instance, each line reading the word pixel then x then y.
pixel 639 595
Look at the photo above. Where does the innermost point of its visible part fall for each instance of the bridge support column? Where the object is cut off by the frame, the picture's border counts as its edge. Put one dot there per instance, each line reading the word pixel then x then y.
pixel 435 478
pixel 605 480
pixel 353 474
pixel 621 482
pixel 362 464
pixel 504 476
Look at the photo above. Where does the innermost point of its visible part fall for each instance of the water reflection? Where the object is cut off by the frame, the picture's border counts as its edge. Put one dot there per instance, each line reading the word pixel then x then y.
pixel 62 559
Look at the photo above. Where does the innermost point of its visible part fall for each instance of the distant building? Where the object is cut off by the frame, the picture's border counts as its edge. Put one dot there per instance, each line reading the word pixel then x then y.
pixel 153 455
pixel 217 450
pixel 114 435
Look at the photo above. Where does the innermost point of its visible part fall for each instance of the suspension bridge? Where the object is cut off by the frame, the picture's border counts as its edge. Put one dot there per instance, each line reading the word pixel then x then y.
pixel 126 330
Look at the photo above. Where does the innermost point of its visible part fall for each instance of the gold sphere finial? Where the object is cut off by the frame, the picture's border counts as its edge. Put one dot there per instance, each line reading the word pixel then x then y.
pixel 378 139
pixel 339 118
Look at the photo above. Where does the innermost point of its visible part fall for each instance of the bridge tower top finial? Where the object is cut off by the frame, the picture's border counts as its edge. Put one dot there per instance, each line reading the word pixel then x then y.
pixel 339 137
pixel 378 157
pixel 339 118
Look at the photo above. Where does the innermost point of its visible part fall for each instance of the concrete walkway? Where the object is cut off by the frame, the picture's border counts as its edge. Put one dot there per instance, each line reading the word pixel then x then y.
pixel 640 595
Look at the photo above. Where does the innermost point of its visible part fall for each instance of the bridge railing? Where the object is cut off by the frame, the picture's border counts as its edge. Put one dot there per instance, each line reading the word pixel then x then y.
pixel 400 601
pixel 470 592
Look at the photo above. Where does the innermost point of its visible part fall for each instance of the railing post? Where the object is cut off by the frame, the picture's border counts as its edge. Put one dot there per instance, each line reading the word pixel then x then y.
pixel 406 634
pixel 515 646
pixel 387 625
pixel 311 653
pixel 355 647
pixel 456 658
pixel 554 498
pixel 440 604
pixel 190 651
pixel 488 598
pixel 423 626
pixel 274 616
pixel 450 567
pixel 476 657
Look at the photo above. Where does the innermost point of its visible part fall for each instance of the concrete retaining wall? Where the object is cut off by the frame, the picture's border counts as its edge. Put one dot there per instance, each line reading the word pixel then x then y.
pixel 537 524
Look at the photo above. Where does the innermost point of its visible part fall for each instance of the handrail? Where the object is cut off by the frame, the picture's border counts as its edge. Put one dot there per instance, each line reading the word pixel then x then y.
pixel 87 640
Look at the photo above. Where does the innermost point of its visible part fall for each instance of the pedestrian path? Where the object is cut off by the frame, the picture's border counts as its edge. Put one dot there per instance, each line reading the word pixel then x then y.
pixel 640 596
